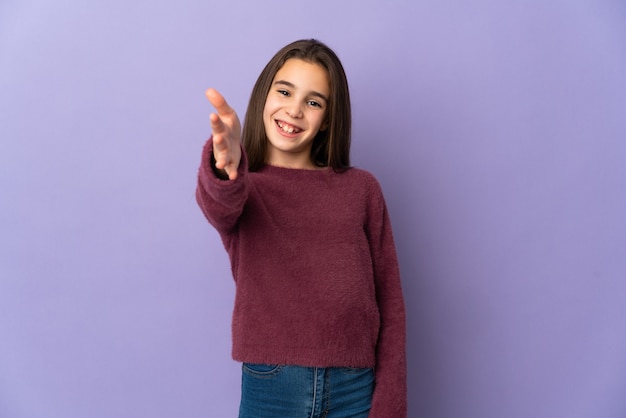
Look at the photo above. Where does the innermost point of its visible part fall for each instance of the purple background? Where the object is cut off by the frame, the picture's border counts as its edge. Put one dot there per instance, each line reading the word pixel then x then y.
pixel 497 130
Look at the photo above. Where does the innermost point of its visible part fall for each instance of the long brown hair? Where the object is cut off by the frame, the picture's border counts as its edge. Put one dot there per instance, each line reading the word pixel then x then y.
pixel 331 147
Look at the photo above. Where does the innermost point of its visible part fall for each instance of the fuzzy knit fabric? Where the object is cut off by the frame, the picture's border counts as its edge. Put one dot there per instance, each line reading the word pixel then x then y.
pixel 316 272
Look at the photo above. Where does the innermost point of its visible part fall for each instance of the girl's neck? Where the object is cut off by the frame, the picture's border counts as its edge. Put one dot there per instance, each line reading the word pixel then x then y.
pixel 298 162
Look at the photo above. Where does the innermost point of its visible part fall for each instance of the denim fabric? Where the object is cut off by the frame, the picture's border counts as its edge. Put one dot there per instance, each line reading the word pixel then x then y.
pixel 270 391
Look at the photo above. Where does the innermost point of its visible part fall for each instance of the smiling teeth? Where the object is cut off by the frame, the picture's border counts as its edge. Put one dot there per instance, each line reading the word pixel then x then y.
pixel 288 128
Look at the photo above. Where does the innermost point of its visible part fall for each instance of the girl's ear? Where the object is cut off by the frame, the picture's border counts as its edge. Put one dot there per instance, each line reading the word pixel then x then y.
pixel 324 125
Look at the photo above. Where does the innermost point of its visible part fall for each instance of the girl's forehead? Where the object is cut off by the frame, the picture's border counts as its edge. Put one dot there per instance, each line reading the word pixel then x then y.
pixel 303 74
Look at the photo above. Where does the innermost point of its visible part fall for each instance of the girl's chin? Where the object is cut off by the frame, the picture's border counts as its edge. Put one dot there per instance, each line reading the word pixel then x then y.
pixel 289 148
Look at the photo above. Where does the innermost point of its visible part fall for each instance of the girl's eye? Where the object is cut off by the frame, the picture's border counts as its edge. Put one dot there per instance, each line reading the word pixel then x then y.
pixel 314 103
pixel 283 92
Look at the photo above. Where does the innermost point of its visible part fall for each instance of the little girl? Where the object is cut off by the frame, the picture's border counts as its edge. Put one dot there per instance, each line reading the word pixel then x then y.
pixel 319 319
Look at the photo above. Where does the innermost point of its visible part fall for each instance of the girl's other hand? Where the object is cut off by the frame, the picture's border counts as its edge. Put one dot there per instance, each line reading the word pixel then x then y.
pixel 226 135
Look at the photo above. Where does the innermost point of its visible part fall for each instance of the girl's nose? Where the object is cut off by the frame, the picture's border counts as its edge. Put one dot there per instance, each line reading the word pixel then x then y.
pixel 295 111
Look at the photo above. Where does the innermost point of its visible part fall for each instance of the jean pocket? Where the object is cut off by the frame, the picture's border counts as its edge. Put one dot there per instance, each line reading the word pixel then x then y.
pixel 261 370
pixel 356 370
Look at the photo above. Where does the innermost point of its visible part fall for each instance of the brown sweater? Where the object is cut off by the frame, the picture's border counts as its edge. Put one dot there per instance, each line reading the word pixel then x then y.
pixel 316 272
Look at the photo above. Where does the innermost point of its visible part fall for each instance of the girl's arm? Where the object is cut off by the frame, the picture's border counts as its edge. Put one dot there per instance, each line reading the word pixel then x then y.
pixel 390 394
pixel 222 184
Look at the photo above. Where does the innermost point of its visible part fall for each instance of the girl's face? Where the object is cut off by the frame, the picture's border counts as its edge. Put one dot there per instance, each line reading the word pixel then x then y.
pixel 294 113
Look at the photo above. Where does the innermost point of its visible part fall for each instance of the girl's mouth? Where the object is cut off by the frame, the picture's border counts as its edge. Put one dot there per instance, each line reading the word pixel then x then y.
pixel 287 128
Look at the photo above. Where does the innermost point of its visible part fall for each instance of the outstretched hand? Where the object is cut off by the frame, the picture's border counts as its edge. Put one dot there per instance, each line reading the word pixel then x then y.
pixel 226 135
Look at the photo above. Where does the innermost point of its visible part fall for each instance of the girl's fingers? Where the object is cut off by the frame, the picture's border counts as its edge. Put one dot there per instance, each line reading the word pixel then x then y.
pixel 228 166
pixel 232 174
pixel 218 102
pixel 222 150
pixel 217 125
pixel 226 130
pixel 219 146
pixel 214 97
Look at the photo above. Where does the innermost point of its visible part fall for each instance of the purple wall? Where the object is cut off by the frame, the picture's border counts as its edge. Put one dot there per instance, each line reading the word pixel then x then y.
pixel 498 132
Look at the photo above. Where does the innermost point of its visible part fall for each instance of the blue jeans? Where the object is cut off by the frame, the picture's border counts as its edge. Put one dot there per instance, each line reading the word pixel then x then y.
pixel 269 391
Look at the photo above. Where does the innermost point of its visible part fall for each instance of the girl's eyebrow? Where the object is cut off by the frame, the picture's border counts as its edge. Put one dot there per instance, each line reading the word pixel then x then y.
pixel 291 85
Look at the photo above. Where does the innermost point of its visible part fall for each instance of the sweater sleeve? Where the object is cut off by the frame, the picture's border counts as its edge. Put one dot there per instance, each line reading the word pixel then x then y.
pixel 390 393
pixel 221 201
